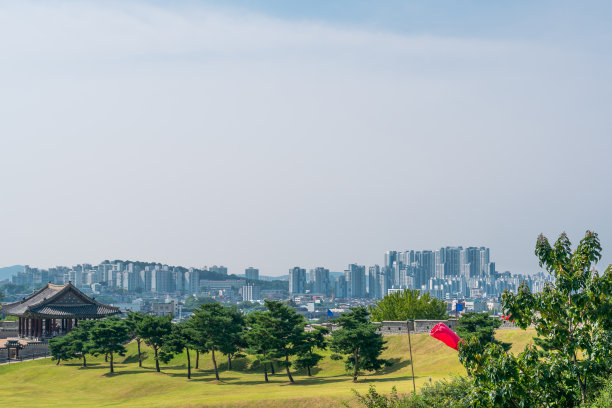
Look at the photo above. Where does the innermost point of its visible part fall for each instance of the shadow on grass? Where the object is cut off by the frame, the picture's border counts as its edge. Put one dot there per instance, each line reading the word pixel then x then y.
pixel 133 358
pixel 396 365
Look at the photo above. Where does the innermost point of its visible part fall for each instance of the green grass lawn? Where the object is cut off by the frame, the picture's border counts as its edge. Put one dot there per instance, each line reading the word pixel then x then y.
pixel 41 383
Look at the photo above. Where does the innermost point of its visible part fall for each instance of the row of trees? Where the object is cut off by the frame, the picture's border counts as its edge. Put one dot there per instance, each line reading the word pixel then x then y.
pixel 275 337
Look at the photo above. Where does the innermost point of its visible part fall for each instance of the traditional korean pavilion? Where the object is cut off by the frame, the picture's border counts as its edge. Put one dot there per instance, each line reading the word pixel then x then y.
pixel 54 310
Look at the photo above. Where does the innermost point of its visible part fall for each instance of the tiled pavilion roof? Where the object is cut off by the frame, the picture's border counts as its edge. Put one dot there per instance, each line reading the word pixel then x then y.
pixel 59 301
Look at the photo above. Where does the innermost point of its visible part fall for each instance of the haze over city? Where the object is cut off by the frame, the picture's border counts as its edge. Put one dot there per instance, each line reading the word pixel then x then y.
pixel 265 134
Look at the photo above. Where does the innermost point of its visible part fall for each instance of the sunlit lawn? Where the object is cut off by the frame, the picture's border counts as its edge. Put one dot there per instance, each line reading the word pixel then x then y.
pixel 43 384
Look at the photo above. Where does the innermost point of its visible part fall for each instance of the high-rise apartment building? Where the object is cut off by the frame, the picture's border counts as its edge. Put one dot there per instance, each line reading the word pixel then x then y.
pixel 320 281
pixel 297 280
pixel 251 273
pixel 340 287
pixel 374 273
pixel 355 281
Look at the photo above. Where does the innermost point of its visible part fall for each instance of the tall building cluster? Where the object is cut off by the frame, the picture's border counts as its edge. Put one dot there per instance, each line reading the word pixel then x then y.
pixel 446 273
pixel 131 276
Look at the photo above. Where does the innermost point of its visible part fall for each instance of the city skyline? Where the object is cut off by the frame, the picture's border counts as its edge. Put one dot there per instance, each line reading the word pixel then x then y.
pixel 275 134
pixel 254 269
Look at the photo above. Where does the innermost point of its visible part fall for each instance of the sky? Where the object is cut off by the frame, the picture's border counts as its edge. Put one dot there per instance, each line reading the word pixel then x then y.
pixel 276 134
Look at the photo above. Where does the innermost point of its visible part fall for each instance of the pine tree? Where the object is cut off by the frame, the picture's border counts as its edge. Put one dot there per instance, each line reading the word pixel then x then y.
pixel 108 336
pixel 358 338
pixel 153 330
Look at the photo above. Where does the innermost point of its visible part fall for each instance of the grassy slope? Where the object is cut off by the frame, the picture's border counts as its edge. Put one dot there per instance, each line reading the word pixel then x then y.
pixel 42 384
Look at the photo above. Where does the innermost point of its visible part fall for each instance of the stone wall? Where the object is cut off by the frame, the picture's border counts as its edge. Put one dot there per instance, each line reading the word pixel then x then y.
pixel 425 326
pixel 8 329
pixel 30 350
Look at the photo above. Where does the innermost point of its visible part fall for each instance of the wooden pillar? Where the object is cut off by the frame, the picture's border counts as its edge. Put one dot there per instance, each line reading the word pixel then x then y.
pixel 19 328
pixel 69 325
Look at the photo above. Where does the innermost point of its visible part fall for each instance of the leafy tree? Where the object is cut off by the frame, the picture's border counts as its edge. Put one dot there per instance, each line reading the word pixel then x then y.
pixel 442 394
pixel 210 321
pixel 108 336
pixel 60 349
pixel 288 328
pixel 153 330
pixel 307 358
pixel 192 302
pixel 132 322
pixel 481 326
pixel 408 304
pixel 261 338
pixel 358 339
pixel 573 320
pixel 181 338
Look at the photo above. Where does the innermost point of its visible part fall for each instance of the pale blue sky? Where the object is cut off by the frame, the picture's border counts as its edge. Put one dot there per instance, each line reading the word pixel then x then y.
pixel 275 134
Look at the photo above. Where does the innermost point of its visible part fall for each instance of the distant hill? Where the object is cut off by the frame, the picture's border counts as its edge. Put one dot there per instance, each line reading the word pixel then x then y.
pixel 9 271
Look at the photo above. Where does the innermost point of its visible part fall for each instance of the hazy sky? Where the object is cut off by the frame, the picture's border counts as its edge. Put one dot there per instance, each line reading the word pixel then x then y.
pixel 275 134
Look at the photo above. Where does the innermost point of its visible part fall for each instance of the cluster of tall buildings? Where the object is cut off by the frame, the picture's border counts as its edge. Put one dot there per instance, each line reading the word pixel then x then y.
pixel 131 276
pixel 447 273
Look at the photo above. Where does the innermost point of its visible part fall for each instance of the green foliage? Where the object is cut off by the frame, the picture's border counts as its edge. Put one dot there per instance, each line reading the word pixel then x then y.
pixel 218 328
pixel 442 394
pixel 193 302
pixel 79 339
pixel 132 321
pixel 260 338
pixel 60 349
pixel 288 330
pixel 307 358
pixel 233 334
pixel 153 330
pixel 408 304
pixel 108 336
pixel 358 338
pixel 604 399
pixel 481 326
pixel 573 320
pixel 182 337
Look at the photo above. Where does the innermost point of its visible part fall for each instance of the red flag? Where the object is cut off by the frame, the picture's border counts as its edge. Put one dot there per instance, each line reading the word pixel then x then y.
pixel 445 335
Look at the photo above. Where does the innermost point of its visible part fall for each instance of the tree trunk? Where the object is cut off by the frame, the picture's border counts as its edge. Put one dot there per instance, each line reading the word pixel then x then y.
pixel 111 363
pixel 355 362
pixel 266 371
pixel 106 358
pixel 287 367
pixel 272 367
pixel 229 361
pixel 139 355
pixel 212 349
pixel 188 364
pixel 197 359
pixel 308 368
pixel 582 384
pixel 58 361
pixel 84 361
pixel 156 360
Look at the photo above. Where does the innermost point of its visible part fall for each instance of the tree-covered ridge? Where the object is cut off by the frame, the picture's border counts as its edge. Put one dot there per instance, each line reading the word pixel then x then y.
pixel 408 304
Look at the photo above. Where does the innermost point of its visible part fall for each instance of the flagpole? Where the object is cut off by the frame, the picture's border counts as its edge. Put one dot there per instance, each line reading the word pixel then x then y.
pixel 410 347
